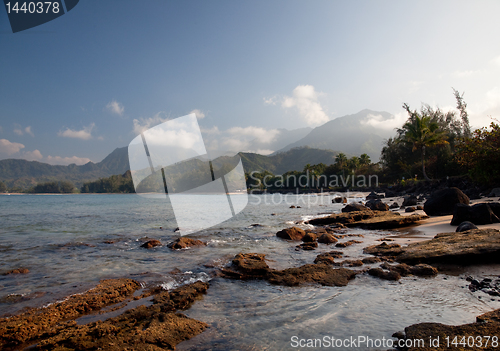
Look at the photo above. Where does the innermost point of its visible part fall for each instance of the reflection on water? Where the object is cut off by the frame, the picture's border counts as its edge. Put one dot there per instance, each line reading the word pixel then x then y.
pixel 71 242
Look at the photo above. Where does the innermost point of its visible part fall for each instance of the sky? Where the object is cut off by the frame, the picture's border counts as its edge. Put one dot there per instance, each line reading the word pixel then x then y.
pixel 74 89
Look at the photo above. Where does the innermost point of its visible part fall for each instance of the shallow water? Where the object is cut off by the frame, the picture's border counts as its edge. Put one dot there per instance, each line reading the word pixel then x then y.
pixel 62 241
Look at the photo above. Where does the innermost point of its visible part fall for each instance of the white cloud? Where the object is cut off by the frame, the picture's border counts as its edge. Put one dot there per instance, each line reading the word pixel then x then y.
pixel 199 114
pixel 496 60
pixel 20 131
pixel 271 101
pixel 84 134
pixel 143 124
pixel 58 160
pixel 10 148
pixel 27 130
pixel 378 121
pixel 115 107
pixel 265 136
pixel 305 99
pixel 35 155
pixel 213 130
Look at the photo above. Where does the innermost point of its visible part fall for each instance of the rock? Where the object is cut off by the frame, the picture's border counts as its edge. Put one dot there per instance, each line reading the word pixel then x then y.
pixel 389 193
pixel 410 209
pixel 373 196
pixel 423 270
pixel 494 192
pixel 465 248
pixel 354 207
pixel 184 243
pixel 478 214
pixel 309 237
pixel 348 243
pixel 442 202
pixel 370 260
pixel 377 205
pixel 339 200
pixel 420 208
pixel 293 206
pixel 342 218
pixel 293 233
pixel 410 200
pixel 350 263
pixel 383 249
pixel 308 246
pixel 328 257
pixel 394 205
pixel 327 238
pixel 251 264
pixel 151 243
pixel 387 275
pixel 387 220
pixel 487 324
pixel 312 273
pixel 464 226
pixel 17 271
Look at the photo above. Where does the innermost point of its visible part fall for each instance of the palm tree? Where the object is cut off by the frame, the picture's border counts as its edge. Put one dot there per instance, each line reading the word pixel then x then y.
pixel 364 160
pixel 421 132
pixel 341 160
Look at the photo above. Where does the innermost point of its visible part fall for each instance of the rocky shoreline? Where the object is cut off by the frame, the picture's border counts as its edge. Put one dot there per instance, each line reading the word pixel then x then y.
pixel 119 313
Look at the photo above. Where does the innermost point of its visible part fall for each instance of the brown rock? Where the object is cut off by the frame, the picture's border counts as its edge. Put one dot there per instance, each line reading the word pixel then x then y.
pixel 312 273
pixel 348 243
pixel 293 233
pixel 327 238
pixel 328 257
pixel 184 243
pixel 151 243
pixel 252 264
pixel 309 237
pixel 387 275
pixel 442 202
pixel 313 245
pixel 369 260
pixel 383 249
pixel 17 271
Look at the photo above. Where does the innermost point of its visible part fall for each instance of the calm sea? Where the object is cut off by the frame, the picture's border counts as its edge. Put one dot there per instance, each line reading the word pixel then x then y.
pixel 70 242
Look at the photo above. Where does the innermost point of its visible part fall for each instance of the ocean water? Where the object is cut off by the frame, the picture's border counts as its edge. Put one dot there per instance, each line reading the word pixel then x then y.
pixel 70 242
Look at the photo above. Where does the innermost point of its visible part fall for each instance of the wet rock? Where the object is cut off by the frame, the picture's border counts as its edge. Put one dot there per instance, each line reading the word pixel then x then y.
pixel 377 205
pixel 383 249
pixel 156 327
pixel 328 257
pixel 312 273
pixel 478 214
pixel 423 270
pixel 394 205
pixel 151 243
pixel 17 271
pixel 19 329
pixel 410 200
pixel 420 208
pixel 293 233
pixel 373 196
pixel 442 202
pixel 327 238
pixel 494 192
pixel 471 246
pixel 387 220
pixel 293 206
pixel 354 207
pixel 313 245
pixel 487 324
pixel 342 218
pixel 387 275
pixel 464 226
pixel 348 243
pixel 184 243
pixel 350 263
pixel 370 260
pixel 339 200
pixel 309 237
pixel 410 209
pixel 251 264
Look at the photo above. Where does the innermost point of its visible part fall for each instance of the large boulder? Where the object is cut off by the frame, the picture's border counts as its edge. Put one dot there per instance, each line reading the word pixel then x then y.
pixel 377 205
pixel 442 202
pixel 494 192
pixel 410 200
pixel 355 207
pixel 464 226
pixel 478 214
pixel 327 238
pixel 293 233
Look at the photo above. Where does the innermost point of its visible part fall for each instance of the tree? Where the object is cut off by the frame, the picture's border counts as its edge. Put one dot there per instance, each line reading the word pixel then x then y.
pixel 3 187
pixel 462 107
pixel 421 132
pixel 364 160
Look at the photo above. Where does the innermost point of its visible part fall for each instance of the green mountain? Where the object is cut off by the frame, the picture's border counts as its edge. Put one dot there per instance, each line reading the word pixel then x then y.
pixel 24 174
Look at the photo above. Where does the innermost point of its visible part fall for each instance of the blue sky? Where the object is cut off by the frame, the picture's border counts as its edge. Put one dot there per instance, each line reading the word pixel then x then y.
pixel 75 88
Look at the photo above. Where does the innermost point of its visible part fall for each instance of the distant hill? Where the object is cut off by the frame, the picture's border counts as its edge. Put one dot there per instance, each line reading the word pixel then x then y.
pixel 291 160
pixel 23 174
pixel 351 134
